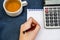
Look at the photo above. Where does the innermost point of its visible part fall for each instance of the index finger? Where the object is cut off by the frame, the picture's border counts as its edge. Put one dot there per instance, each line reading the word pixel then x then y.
pixel 34 21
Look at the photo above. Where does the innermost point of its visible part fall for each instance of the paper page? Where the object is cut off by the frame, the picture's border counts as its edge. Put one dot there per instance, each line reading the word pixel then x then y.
pixel 44 34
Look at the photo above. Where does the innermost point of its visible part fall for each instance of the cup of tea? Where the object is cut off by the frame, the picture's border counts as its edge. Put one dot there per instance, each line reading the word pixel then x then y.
pixel 14 7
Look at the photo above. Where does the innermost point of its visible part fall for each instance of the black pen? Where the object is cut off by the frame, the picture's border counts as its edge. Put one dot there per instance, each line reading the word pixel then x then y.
pixel 33 26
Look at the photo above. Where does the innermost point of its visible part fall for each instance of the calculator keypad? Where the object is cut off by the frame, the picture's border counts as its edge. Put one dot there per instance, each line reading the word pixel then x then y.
pixel 52 17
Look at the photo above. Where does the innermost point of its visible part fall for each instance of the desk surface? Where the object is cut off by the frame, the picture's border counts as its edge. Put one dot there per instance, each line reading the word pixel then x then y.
pixel 9 26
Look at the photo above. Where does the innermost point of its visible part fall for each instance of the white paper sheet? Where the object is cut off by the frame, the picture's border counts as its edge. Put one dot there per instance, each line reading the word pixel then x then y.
pixel 44 34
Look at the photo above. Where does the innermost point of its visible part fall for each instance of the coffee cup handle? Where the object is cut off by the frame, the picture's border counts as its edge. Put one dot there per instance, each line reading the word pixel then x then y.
pixel 24 3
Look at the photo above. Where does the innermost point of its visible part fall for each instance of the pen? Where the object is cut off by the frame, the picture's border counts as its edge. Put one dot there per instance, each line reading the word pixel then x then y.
pixel 33 26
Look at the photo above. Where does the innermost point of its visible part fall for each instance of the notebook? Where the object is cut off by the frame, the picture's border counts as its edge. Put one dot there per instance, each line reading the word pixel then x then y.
pixel 43 34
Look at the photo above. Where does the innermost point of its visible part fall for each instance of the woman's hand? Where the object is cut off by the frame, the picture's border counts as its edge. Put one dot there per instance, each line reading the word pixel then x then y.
pixel 29 31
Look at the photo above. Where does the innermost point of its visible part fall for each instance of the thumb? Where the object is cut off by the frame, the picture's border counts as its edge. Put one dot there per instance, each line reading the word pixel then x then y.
pixel 27 25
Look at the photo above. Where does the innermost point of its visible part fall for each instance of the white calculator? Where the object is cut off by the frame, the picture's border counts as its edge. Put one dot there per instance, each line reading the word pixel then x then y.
pixel 52 15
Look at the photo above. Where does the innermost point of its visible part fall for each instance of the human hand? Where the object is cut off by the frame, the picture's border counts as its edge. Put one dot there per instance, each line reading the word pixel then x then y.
pixel 29 30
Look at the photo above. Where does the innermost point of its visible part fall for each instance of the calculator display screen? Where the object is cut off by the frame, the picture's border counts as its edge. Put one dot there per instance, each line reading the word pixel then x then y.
pixel 52 2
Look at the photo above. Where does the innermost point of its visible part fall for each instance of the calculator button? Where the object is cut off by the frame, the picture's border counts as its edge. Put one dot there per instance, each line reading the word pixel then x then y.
pixel 56 24
pixel 50 11
pixel 55 14
pixel 47 17
pixel 55 17
pixel 55 20
pixel 51 14
pixel 58 8
pixel 47 24
pixel 54 8
pixel 50 8
pixel 51 24
pixel 51 17
pixel 47 21
pixel 46 10
pixel 47 14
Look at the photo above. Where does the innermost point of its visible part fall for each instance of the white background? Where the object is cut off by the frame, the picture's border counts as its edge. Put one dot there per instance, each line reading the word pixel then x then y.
pixel 44 34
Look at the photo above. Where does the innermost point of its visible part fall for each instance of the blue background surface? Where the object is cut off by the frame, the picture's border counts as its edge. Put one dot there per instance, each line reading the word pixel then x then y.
pixel 9 26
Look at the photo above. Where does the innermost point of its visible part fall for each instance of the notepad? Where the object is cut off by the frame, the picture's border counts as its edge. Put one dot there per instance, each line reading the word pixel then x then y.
pixel 43 34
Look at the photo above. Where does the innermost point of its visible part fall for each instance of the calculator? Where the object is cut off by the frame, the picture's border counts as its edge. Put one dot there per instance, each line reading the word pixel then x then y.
pixel 52 16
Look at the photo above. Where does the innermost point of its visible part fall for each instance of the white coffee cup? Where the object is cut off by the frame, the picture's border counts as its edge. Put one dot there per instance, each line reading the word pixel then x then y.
pixel 16 13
